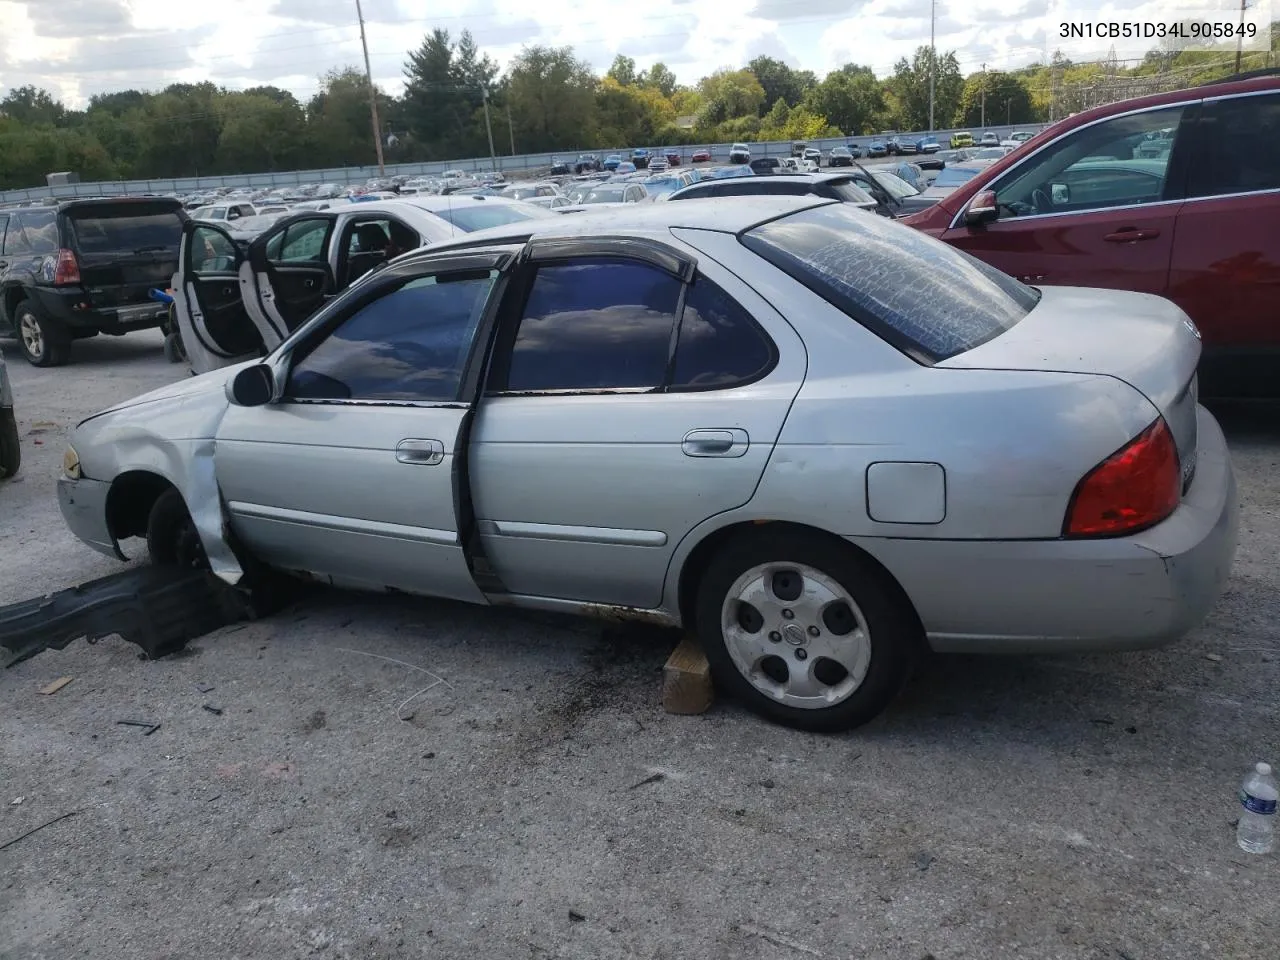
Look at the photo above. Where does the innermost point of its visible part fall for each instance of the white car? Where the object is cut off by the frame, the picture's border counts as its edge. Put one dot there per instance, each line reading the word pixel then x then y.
pixel 225 211
pixel 1016 139
pixel 989 139
pixel 810 165
pixel 233 301
pixel 739 153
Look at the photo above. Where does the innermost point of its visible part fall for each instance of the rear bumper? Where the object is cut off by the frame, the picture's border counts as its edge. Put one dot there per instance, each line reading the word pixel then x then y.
pixel 1041 596
pixel 84 508
pixel 74 307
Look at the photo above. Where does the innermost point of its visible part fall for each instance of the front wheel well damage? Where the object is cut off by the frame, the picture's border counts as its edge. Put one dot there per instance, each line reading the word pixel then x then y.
pixel 699 559
pixel 130 501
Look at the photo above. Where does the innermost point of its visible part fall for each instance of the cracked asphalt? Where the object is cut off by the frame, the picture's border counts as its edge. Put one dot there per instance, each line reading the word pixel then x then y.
pixel 400 778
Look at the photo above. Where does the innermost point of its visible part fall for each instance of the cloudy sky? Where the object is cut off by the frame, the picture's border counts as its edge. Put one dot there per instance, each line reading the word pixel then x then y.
pixel 76 48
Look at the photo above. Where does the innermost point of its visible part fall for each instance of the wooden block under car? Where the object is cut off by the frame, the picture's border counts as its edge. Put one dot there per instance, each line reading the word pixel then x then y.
pixel 686 680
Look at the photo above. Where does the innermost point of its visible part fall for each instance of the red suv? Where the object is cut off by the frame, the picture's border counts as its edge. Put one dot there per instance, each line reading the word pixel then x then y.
pixel 1176 194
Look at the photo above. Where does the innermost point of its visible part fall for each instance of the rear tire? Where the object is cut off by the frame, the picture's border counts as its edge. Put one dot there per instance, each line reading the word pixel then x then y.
pixel 44 341
pixel 10 448
pixel 172 538
pixel 806 631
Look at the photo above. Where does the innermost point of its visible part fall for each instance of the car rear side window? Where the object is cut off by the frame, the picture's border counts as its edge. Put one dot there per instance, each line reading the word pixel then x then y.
pixel 594 324
pixel 1240 147
pixel 720 344
pixel 926 298
pixel 32 232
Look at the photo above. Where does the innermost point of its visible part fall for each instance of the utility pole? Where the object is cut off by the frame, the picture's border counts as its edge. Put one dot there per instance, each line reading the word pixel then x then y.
pixel 493 156
pixel 1008 111
pixel 933 56
pixel 511 129
pixel 373 95
pixel 1240 38
pixel 984 96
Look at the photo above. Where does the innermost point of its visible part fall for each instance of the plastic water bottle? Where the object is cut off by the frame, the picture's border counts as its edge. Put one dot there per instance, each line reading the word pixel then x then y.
pixel 1257 830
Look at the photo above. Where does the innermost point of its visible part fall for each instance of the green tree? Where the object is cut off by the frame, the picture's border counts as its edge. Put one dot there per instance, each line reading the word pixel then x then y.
pixel 910 84
pixel 850 98
pixel 780 82
pixel 622 71
pixel 260 134
pixel 445 84
pixel 552 98
pixel 1006 97
pixel 660 77
pixel 32 106
pixel 338 123
pixel 729 94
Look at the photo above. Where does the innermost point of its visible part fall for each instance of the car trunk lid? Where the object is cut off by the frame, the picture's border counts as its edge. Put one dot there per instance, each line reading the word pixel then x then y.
pixel 1143 340
pixel 125 247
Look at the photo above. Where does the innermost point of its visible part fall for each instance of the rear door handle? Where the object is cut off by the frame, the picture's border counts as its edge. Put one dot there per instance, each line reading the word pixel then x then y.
pixel 723 442
pixel 424 453
pixel 1131 235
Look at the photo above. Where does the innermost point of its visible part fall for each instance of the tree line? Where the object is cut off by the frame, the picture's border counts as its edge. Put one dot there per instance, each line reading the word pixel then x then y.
pixel 547 100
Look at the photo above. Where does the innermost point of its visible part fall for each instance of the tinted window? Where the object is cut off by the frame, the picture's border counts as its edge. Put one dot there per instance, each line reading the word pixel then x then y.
pixel 849 192
pixel 153 232
pixel 478 216
pixel 1241 147
pixel 39 231
pixel 595 325
pixel 211 251
pixel 302 241
pixel 409 344
pixel 925 297
pixel 1087 169
pixel 720 344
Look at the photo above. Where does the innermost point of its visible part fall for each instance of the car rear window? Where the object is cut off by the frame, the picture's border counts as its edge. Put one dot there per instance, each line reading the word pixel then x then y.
pixel 954 176
pixel 850 192
pixel 479 216
pixel 132 228
pixel 928 299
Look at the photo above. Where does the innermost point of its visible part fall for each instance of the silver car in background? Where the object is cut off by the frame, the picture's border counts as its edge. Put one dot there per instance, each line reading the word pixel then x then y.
pixel 821 440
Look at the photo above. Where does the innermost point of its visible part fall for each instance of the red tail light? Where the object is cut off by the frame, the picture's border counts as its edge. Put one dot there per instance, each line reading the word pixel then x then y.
pixel 1134 488
pixel 67 270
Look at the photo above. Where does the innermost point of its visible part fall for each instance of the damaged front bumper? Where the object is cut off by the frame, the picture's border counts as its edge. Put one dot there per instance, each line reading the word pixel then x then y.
pixel 160 609
pixel 84 508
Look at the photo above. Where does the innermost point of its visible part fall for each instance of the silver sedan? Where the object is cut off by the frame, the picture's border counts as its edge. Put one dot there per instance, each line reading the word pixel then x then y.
pixel 822 441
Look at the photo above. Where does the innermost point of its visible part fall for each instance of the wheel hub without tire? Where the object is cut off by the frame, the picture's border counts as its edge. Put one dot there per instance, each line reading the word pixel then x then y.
pixel 796 635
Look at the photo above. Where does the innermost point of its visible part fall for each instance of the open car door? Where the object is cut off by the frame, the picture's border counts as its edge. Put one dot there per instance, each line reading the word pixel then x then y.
pixel 288 274
pixel 216 329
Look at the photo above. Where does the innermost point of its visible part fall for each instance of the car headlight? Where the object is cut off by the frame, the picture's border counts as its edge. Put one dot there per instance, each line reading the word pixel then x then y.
pixel 71 463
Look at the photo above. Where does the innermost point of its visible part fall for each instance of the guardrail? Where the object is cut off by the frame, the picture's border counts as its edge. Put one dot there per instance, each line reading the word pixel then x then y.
pixel 510 164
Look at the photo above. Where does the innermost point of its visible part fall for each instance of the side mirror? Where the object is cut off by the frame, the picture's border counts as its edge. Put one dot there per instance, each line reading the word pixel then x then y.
pixel 1060 194
pixel 252 387
pixel 982 209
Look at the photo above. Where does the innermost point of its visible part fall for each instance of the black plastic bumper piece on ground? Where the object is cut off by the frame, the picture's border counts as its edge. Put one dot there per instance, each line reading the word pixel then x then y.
pixel 160 609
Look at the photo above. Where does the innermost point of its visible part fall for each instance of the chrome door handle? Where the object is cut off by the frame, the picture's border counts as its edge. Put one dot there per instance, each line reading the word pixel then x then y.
pixel 725 442
pixel 424 453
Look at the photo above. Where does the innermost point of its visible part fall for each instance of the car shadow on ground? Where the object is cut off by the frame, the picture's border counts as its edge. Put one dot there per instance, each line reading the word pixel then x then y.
pixel 145 345
pixel 1247 420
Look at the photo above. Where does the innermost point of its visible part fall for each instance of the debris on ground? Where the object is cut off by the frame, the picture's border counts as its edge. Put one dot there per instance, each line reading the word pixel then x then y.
pixel 54 687
pixel 16 801
pixel 575 916
pixel 151 727
pixel 1215 657
pixel 216 711
pixel 47 823
pixel 924 860
pixel 654 778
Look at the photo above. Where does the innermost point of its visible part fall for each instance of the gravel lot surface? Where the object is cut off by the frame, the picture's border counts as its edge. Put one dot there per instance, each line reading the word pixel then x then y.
pixel 534 802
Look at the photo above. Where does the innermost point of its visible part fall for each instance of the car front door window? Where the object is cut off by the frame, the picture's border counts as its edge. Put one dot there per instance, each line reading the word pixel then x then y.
pixel 1106 159
pixel 409 344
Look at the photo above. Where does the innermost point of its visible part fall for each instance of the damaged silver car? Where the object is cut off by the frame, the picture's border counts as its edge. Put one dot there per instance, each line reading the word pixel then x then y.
pixel 822 441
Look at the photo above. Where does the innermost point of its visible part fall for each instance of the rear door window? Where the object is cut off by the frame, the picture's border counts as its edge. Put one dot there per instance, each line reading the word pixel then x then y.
pixel 720 345
pixel 594 325
pixel 1239 147
pixel 925 297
